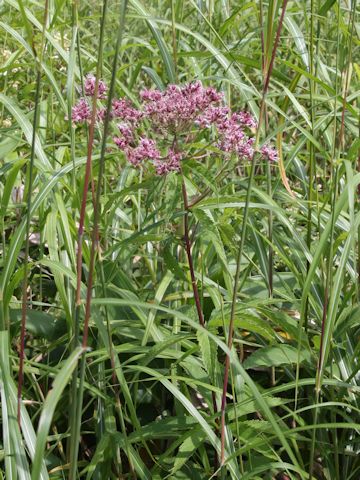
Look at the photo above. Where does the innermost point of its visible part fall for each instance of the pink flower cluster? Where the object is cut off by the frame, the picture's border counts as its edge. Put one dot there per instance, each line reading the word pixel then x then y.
pixel 81 112
pixel 171 163
pixel 123 109
pixel 176 115
pixel 175 109
pixel 89 87
pixel 270 153
pixel 145 150
pixel 168 122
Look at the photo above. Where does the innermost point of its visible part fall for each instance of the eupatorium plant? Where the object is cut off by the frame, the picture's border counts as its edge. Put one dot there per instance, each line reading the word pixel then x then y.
pixel 163 130
pixel 168 127
pixel 171 126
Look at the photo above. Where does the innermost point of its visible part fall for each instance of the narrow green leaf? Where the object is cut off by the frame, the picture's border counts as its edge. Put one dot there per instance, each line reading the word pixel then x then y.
pixel 275 356
pixel 326 7
pixel 41 160
pixel 164 52
pixel 51 401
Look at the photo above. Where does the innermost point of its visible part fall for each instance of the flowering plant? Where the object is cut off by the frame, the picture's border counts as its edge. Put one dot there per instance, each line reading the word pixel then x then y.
pixel 164 128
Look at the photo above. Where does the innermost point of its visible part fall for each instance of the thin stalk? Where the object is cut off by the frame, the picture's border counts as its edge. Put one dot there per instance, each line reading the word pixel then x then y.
pixel 244 231
pixel 261 12
pixel 30 175
pixel 189 256
pixel 270 235
pixel 347 74
pixel 264 63
pixel 88 163
pixel 188 244
pixel 27 244
pixel 333 187
pixel 70 101
pixel 358 159
pixel 173 21
pixel 70 87
pixel 95 232
pixel 75 411
pixel 324 316
pixel 311 171
pixel 115 386
pixel 335 438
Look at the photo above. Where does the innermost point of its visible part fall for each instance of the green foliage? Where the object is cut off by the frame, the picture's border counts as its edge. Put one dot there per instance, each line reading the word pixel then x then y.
pixel 152 378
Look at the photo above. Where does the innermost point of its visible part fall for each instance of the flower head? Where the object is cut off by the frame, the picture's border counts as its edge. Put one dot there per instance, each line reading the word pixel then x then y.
pixel 80 111
pixel 171 163
pixel 245 150
pixel 146 150
pixel 270 153
pixel 127 136
pixel 150 95
pixel 178 107
pixel 123 109
pixel 212 115
pixel 170 123
pixel 246 119
pixel 89 86
pixel 233 137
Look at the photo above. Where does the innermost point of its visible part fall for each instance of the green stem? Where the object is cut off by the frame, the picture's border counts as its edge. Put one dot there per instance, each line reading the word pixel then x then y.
pixel 30 174
pixel 173 21
pixel 95 232
pixel 76 396
pixel 311 170
pixel 189 256
pixel 115 387
pixel 243 235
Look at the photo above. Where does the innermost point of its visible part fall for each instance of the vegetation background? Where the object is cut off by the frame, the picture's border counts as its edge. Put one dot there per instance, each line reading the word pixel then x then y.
pixel 275 248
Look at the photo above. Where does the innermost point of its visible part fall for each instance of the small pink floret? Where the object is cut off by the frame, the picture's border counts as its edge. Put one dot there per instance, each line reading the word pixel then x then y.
pixel 120 142
pixel 245 150
pixel 123 109
pixel 169 164
pixel 270 153
pixel 178 107
pixel 81 111
pixel 150 95
pixel 146 150
pixel 89 86
pixel 246 119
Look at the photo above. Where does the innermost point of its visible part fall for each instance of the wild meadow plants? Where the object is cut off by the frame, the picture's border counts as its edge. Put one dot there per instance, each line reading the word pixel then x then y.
pixel 180 255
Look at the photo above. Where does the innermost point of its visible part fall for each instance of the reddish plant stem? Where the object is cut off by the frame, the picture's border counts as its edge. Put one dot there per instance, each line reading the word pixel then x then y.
pixel 76 326
pixel 324 315
pixel 78 384
pixel 346 81
pixel 193 279
pixel 276 43
pixel 266 118
pixel 189 256
pixel 28 218
pixel 26 260
pixel 243 235
pixel 85 192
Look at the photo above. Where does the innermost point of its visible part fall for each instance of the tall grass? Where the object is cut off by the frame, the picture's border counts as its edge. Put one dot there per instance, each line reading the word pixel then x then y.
pixel 198 325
